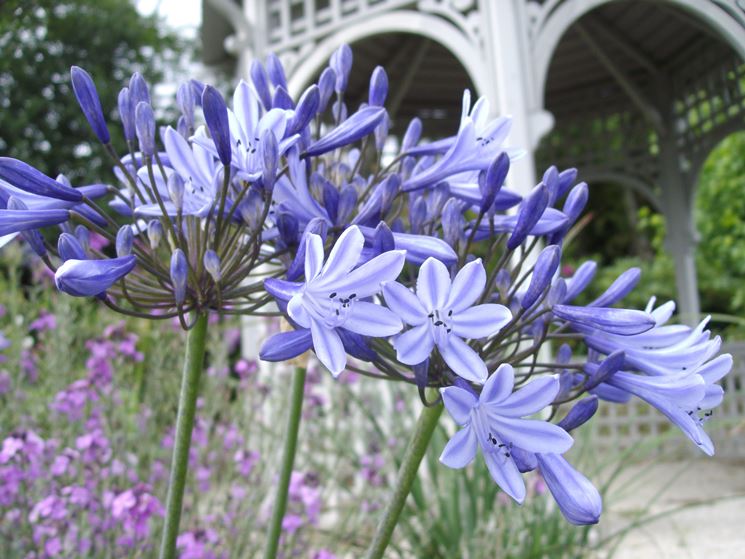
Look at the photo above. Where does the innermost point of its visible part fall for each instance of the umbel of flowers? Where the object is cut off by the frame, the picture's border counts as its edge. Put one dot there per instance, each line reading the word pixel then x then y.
pixel 419 266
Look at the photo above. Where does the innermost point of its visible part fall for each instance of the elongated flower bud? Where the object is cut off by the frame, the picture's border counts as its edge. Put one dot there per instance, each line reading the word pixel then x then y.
pixel 614 321
pixel 124 241
pixel 622 286
pixel 252 208
pixel 578 500
pixel 86 278
pixel 138 89
pixel 179 273
pixel 452 222
pixel 530 212
pixel 286 345
pixel 154 233
pixel 261 83
pixel 545 267
pixel 341 62
pixel 216 117
pixel 186 102
pixel 15 221
pixel 412 134
pixel 69 248
pixel 269 158
pixel 347 203
pixel 176 188
pixel 288 228
pixel 145 128
pixel 417 215
pixel 83 235
pixel 580 413
pixel 599 373
pixel 282 99
pixel 357 126
pixel 383 239
pixel 557 293
pixel 126 114
pixel 576 202
pixel 326 83
pixel 87 96
pixel 566 180
pixel 276 71
pixel 31 236
pixel 378 87
pixel 306 109
pixel 212 264
pixel 580 280
pixel 551 180
pixel 494 179
pixel 27 178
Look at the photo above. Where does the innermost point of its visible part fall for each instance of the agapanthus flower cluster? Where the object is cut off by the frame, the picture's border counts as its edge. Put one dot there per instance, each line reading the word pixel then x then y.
pixel 419 265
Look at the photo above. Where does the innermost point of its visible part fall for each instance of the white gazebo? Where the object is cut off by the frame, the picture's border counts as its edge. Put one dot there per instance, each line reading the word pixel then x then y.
pixel 631 92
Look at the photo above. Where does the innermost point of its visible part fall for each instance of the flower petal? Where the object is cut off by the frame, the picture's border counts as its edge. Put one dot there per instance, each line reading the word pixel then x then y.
pixel 499 385
pixel 480 321
pixel 433 284
pixel 505 473
pixel 328 347
pixel 459 402
pixel 532 435
pixel 313 256
pixel 468 285
pixel 578 500
pixel 367 279
pixel 286 345
pixel 463 360
pixel 414 345
pixel 297 310
pixel 344 256
pixel 460 450
pixel 531 398
pixel 404 303
pixel 370 319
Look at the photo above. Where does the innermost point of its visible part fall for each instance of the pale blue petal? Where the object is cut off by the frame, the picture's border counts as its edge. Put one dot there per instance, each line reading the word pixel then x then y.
pixel 367 279
pixel 296 310
pixel 344 256
pixel 715 369
pixel 433 284
pixel 468 285
pixel 404 303
pixel 531 398
pixel 313 256
pixel 328 347
pixel 499 385
pixel 463 360
pixel 459 402
pixel 414 345
pixel 504 472
pixel 370 319
pixel 531 434
pixel 460 450
pixel 712 398
pixel 480 321
pixel 246 108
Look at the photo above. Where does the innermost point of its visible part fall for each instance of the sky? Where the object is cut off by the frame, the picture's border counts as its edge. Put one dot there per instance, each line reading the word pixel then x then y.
pixel 183 15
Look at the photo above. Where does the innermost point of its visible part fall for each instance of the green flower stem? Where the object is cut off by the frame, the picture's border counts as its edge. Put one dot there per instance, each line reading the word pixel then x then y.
pixel 415 450
pixel 288 458
pixel 187 405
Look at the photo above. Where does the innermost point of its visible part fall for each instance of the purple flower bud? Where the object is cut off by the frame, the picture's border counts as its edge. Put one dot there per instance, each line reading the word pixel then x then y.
pixel 417 215
pixel 176 188
pixel 381 134
pixel 330 199
pixel 154 233
pixel 421 374
pixel 621 287
pixel 316 226
pixel 126 114
pixel 288 228
pixel 212 264
pixel 606 369
pixel 69 248
pixel 529 213
pixel 306 109
pixel 252 208
pixel 145 128
pixel 325 88
pixel 216 117
pixel 347 203
pixel 186 102
pixel 580 413
pixel 198 88
pixel 282 99
pixel 87 96
pixel 545 267
pixel 566 180
pixel 261 84
pixel 182 128
pixel 269 157
pixel 15 221
pixel 179 273
pixel 503 281
pixel 84 236
pixel 576 202
pixel 357 126
pixel 339 110
pixel 412 135
pixel 138 90
pixel 25 177
pixel 124 241
pixel 578 500
pixel 580 280
pixel 614 321
pixel 31 236
pixel 276 71
pixel 85 278
pixel 551 180
pixel 452 222
pixel 494 179
pixel 341 62
pixel 378 87
pixel 557 293
pixel 286 345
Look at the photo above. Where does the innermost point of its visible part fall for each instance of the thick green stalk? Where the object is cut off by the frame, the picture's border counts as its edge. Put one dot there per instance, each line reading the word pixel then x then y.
pixel 415 450
pixel 288 458
pixel 187 406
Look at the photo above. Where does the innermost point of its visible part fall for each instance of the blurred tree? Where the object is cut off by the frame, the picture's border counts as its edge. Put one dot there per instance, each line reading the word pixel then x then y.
pixel 40 121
